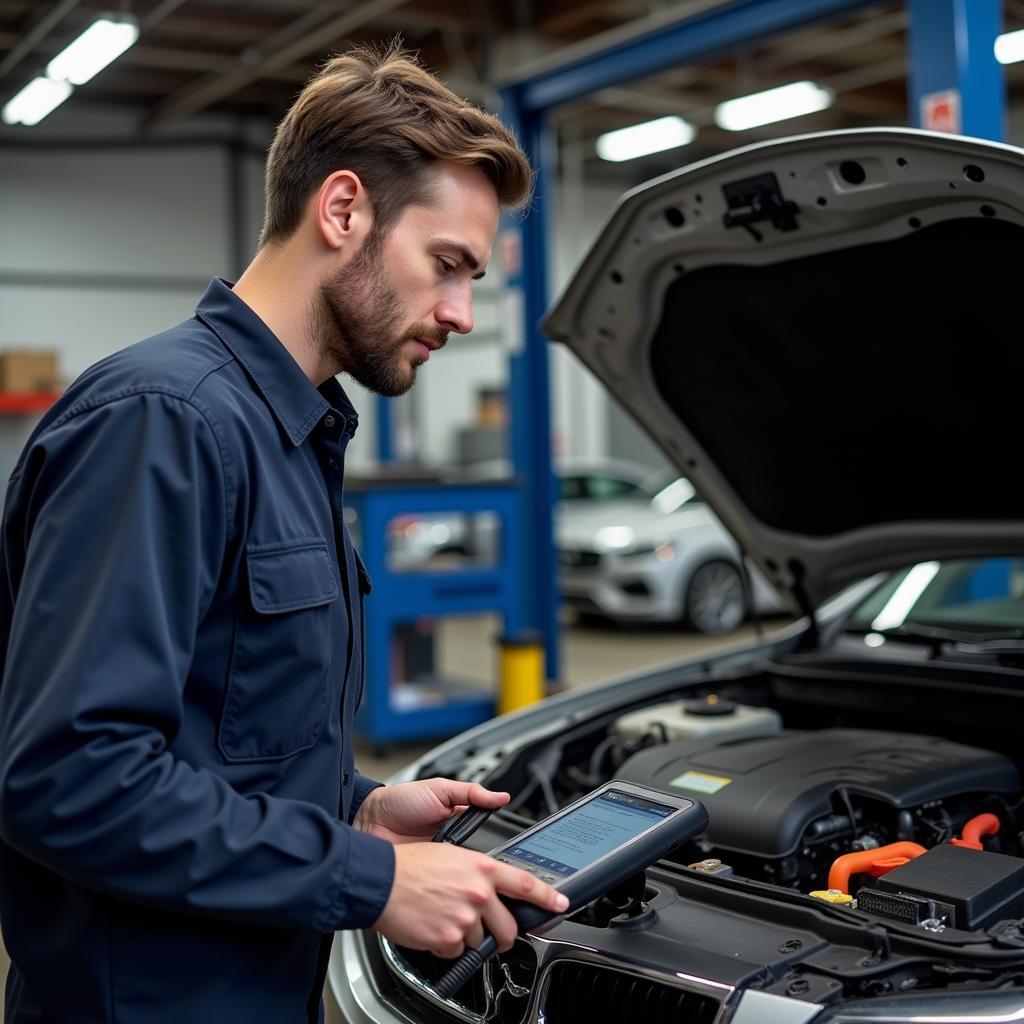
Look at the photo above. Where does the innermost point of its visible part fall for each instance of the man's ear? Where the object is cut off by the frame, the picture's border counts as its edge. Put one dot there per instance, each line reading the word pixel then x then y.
pixel 343 212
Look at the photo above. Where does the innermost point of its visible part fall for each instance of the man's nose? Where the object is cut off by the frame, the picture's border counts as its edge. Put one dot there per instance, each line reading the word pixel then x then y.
pixel 456 314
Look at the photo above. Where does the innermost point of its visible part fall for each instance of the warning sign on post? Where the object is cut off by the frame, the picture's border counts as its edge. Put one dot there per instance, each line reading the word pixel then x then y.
pixel 940 112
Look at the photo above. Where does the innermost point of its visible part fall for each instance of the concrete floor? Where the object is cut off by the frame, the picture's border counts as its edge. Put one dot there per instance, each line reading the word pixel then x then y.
pixel 590 654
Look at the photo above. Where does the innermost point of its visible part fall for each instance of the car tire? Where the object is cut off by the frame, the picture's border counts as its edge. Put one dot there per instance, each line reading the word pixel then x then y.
pixel 715 600
pixel 594 620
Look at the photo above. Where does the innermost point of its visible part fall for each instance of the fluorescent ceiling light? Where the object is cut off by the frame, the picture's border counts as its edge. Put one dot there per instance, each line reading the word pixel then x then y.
pixel 642 139
pixel 35 101
pixel 1010 47
pixel 780 104
pixel 102 42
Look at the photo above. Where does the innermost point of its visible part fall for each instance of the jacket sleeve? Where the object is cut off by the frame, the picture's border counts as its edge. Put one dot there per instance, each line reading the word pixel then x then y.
pixel 362 788
pixel 114 536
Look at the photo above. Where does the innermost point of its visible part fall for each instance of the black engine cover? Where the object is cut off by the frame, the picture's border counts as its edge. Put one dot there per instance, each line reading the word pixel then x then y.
pixel 764 791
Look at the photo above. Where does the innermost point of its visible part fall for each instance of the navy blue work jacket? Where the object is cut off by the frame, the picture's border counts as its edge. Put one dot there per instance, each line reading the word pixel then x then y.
pixel 181 621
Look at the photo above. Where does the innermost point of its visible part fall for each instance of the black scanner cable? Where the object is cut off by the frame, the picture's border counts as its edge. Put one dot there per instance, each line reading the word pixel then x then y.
pixel 465 967
pixel 457 830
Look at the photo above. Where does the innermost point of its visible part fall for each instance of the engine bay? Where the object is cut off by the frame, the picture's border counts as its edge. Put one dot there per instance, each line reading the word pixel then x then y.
pixel 865 833
pixel 827 812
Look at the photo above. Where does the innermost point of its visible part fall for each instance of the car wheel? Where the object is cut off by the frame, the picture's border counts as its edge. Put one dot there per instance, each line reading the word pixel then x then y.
pixel 715 600
pixel 594 620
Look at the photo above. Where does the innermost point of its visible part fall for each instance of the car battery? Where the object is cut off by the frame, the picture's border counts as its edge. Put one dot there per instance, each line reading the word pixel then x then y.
pixel 970 888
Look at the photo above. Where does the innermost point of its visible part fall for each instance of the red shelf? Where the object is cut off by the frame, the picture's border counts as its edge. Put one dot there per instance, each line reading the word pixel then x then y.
pixel 15 403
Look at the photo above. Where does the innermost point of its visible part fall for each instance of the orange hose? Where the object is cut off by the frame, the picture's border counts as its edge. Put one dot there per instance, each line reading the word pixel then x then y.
pixel 871 862
pixel 981 825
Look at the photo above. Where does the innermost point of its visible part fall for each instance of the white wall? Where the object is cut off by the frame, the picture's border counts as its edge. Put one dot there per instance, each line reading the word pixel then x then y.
pixel 78 223
pixel 104 244
pixel 580 208
pixel 101 246
pixel 106 239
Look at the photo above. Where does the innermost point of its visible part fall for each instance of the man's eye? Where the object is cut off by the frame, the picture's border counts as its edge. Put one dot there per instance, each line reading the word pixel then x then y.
pixel 444 267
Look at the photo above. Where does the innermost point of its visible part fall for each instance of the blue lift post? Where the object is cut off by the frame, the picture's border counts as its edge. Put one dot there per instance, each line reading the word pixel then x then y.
pixel 385 430
pixel 525 107
pixel 952 60
pixel 530 390
pixel 953 64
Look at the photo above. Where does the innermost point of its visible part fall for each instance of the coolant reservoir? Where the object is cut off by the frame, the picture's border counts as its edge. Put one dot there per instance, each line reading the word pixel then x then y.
pixel 710 716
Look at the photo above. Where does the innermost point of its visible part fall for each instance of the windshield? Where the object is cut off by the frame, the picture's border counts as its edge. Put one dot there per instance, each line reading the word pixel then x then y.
pixel 973 596
pixel 673 497
pixel 597 487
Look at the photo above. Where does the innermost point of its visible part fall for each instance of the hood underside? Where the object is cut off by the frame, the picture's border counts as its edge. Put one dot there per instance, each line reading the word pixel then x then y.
pixel 822 334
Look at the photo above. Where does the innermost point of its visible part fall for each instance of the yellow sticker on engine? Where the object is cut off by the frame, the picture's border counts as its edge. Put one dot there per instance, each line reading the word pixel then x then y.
pixel 700 782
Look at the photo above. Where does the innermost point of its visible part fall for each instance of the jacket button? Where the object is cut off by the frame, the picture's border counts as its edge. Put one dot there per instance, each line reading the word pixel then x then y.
pixel 328 421
pixel 344 779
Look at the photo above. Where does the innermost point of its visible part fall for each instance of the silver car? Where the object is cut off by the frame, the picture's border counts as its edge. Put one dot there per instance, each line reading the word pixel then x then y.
pixel 418 541
pixel 821 332
pixel 668 559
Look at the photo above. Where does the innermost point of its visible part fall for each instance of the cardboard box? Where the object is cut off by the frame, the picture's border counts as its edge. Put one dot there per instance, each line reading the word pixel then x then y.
pixel 491 408
pixel 29 370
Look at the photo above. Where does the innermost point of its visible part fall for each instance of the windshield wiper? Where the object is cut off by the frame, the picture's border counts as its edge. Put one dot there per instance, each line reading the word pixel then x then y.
pixel 1009 642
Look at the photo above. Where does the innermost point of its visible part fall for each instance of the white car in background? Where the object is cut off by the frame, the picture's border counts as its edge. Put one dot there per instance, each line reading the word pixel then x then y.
pixel 668 559
pixel 414 541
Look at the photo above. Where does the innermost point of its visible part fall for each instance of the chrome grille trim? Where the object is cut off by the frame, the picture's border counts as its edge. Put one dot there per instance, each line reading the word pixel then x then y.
pixel 550 953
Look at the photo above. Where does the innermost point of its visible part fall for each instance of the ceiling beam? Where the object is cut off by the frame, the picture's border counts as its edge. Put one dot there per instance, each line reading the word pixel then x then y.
pixel 37 32
pixel 788 51
pixel 281 50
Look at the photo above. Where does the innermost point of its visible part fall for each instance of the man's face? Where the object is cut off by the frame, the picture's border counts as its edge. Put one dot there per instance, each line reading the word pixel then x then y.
pixel 382 314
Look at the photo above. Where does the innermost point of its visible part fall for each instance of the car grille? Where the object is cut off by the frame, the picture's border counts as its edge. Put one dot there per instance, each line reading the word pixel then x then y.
pixel 583 994
pixel 517 967
pixel 431 969
pixel 572 559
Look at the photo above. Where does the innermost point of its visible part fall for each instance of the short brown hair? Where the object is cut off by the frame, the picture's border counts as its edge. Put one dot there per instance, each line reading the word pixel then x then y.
pixel 379 113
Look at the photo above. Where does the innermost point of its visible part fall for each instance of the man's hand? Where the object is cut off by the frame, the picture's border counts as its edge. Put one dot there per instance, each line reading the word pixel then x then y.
pixel 413 811
pixel 443 897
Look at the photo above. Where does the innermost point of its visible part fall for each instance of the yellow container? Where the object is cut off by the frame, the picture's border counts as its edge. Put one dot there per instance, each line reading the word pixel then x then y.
pixel 836 896
pixel 521 672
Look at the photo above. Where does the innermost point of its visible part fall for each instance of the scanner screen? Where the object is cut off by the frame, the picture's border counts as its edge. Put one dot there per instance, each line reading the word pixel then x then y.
pixel 594 829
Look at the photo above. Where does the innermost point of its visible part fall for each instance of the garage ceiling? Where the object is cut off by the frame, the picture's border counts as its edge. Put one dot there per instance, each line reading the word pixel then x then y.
pixel 251 56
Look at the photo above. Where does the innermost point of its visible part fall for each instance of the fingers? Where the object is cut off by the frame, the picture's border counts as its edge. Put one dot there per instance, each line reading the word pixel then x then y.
pixel 452 952
pixel 479 796
pixel 522 885
pixel 475 936
pixel 445 899
pixel 500 923
pixel 454 792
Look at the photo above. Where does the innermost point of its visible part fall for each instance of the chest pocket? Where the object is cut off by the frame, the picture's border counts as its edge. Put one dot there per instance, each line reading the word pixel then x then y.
pixel 277 696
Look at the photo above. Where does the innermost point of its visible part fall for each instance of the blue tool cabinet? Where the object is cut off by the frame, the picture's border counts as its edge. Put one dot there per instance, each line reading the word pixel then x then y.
pixel 401 597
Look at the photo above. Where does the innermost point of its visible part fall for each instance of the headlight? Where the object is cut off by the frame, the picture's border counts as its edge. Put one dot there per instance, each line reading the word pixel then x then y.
pixel 936 1008
pixel 663 552
pixel 643 552
pixel 613 538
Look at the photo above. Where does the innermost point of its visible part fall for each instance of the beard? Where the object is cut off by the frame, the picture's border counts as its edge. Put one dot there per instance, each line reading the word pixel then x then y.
pixel 357 323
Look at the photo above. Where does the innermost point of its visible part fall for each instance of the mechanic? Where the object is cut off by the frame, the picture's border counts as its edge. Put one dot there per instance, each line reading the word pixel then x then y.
pixel 182 825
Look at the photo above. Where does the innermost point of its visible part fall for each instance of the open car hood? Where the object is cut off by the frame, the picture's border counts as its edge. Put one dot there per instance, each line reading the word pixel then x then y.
pixel 822 333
